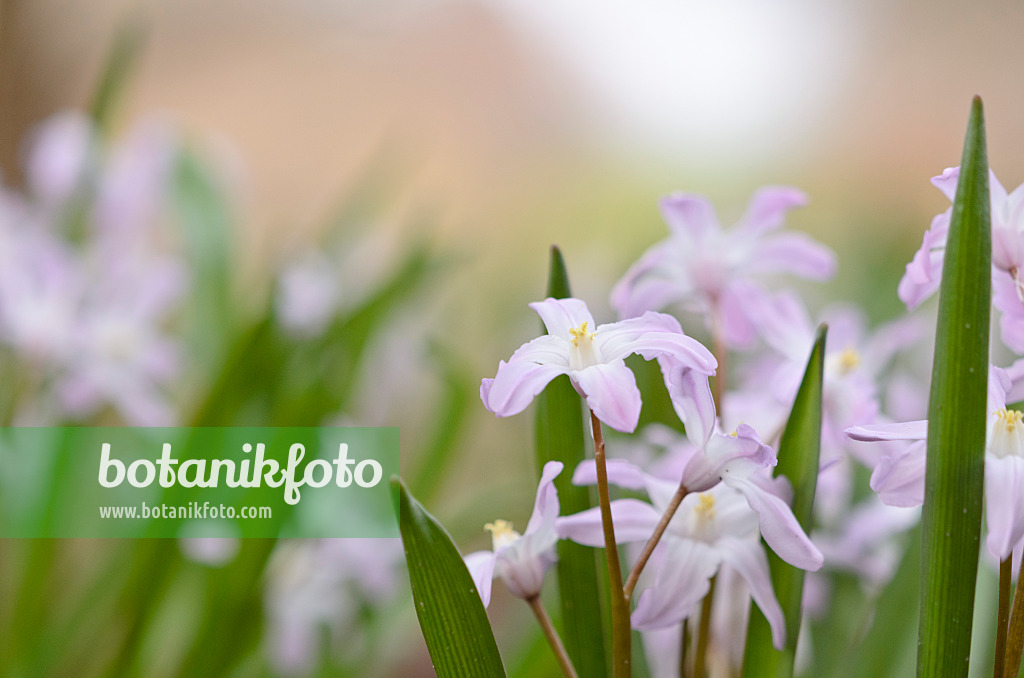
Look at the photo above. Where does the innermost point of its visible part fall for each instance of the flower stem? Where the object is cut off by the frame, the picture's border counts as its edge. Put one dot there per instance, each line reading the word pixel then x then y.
pixel 703 632
pixel 552 635
pixel 621 638
pixel 1003 616
pixel 645 555
pixel 1015 636
pixel 722 356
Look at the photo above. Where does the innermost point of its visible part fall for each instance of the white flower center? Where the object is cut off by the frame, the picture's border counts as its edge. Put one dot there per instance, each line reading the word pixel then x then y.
pixel 584 353
pixel 702 517
pixel 502 534
pixel 1007 434
pixel 845 362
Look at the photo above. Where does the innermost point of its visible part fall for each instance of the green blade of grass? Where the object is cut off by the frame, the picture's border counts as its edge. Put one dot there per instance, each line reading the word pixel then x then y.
pixel 121 59
pixel 451 614
pixel 799 451
pixel 559 437
pixel 954 476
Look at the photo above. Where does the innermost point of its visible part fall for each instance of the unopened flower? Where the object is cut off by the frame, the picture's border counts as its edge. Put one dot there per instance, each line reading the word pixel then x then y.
pixel 521 560
pixel 704 269
pixel 592 357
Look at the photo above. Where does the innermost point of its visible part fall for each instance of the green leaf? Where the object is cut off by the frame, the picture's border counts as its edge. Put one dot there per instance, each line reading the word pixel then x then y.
pixel 122 58
pixel 449 608
pixel 559 437
pixel 799 451
pixel 954 476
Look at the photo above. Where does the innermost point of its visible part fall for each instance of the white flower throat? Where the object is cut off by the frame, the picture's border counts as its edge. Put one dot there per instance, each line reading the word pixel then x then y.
pixel 502 534
pixel 584 353
pixel 1007 436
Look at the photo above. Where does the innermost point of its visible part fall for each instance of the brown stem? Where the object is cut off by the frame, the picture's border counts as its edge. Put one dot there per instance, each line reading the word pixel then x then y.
pixel 552 635
pixel 722 356
pixel 621 632
pixel 704 632
pixel 1003 616
pixel 645 555
pixel 1015 636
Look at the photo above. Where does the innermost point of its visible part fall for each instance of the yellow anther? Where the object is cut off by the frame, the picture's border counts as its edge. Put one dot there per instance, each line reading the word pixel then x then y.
pixel 849 360
pixel 581 333
pixel 502 533
pixel 1010 419
pixel 707 505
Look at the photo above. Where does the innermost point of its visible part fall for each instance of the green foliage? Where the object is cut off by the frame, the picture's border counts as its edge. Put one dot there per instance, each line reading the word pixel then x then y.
pixel 799 451
pixel 560 437
pixel 954 477
pixel 451 614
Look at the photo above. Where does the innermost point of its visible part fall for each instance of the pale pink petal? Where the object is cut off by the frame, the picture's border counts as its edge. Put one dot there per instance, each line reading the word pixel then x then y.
pixel 947 181
pixel 779 526
pixel 909 430
pixel 691 397
pixel 653 335
pixel 769 207
pixel 740 304
pixel 515 386
pixel 795 253
pixel 481 569
pixel 691 216
pixel 1011 323
pixel 634 520
pixel 621 473
pixel 1015 373
pixel 562 315
pixel 544 350
pixel 681 580
pixel 726 457
pixel 611 393
pixel 899 477
pixel 1004 503
pixel 748 558
pixel 924 272
pixel 545 508
pixel 650 284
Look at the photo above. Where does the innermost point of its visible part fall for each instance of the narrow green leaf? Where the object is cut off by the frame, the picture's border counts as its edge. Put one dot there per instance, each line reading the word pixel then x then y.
pixel 889 646
pixel 954 476
pixel 449 608
pixel 559 437
pixel 120 60
pixel 799 451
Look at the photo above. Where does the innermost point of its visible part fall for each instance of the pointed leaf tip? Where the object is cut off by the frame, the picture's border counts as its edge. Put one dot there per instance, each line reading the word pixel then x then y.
pixel 558 275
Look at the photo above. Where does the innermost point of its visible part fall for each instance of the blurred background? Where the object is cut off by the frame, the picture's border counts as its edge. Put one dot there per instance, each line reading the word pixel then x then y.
pixel 475 134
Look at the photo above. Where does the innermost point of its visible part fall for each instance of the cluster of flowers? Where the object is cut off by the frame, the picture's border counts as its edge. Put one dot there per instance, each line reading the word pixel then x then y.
pixel 88 281
pixel 730 498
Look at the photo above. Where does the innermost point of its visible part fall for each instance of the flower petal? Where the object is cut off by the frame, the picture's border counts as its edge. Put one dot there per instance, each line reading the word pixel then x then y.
pixel 924 271
pixel 515 386
pixel 544 350
pixel 908 430
pixel 680 582
pixel 769 207
pixel 690 216
pixel 1004 503
pixel 650 284
pixel 611 393
pixel 779 526
pixel 562 315
pixel 634 520
pixel 795 253
pixel 621 473
pixel 899 477
pixel 481 568
pixel 545 508
pixel 653 335
pixel 748 558
pixel 691 398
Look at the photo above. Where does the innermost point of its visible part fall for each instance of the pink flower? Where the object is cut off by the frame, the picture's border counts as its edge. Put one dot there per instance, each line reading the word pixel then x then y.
pixel 705 269
pixel 899 477
pixel 924 271
pixel 521 560
pixel 593 360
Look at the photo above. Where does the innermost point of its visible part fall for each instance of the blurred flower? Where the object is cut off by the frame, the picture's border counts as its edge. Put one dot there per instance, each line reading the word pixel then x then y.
pixel 325 584
pixel 86 295
pixel 899 478
pixel 707 270
pixel 593 359
pixel 521 560
pixel 924 271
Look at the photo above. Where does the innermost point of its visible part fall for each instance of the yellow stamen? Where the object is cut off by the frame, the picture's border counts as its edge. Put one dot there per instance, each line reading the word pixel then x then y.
pixel 502 533
pixel 581 333
pixel 849 360
pixel 707 505
pixel 1010 419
